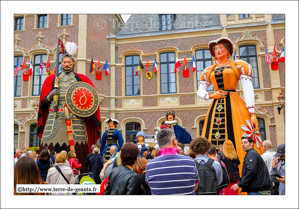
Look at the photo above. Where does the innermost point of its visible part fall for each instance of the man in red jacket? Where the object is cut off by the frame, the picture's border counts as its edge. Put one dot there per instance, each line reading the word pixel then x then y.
pixel 55 132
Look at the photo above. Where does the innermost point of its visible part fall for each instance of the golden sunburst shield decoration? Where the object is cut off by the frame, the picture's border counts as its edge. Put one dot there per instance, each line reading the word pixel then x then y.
pixel 82 99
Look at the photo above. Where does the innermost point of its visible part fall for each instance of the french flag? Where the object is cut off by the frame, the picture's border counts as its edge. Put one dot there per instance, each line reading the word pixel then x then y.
pixel 177 66
pixel 30 68
pixel 267 56
pixel 235 56
pixel 17 68
pixel 106 67
pixel 41 67
pixel 281 57
pixel 193 64
pixel 155 66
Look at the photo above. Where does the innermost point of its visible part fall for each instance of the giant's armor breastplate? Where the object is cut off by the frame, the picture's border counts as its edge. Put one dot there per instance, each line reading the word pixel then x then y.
pixel 56 130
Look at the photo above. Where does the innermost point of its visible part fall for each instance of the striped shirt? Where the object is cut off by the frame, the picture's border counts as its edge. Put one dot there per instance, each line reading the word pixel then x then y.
pixel 172 174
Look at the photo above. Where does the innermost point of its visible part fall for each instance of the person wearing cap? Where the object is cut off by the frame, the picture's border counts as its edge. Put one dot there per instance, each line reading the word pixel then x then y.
pixel 278 168
pixel 228 113
pixel 111 137
pixel 141 137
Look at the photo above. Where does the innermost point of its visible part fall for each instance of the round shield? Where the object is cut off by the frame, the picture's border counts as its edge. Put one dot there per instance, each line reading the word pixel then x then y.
pixel 82 99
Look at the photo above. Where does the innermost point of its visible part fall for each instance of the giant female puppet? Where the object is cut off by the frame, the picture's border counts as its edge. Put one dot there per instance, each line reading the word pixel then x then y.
pixel 66 129
pixel 228 116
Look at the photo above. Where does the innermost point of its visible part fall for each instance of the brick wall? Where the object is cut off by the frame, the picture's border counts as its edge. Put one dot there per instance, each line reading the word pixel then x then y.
pixel 266 74
pixel 24 103
pixel 149 86
pixel 22 140
pixel 187 100
pixel 187 83
pixel 282 73
pixel 262 35
pixel 278 36
pixel 28 38
pixel 149 102
pixel 272 130
pixel 268 95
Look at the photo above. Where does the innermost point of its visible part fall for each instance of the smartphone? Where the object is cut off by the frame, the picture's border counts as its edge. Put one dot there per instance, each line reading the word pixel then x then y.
pixel 277 175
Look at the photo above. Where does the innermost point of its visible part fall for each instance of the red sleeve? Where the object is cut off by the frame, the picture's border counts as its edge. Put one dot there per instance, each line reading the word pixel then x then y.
pixel 43 110
pixel 76 164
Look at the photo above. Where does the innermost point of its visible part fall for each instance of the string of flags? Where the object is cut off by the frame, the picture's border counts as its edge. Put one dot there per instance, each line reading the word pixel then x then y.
pixel 274 61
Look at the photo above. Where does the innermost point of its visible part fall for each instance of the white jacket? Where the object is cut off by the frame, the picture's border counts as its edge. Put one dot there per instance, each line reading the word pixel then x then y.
pixel 268 158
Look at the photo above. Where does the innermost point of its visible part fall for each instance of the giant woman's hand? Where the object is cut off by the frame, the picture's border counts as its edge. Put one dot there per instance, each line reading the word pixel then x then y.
pixel 219 94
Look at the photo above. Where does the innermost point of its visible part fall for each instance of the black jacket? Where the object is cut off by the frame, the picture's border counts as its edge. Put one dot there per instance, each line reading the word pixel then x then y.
pixel 127 185
pixel 232 168
pixel 87 163
pixel 255 175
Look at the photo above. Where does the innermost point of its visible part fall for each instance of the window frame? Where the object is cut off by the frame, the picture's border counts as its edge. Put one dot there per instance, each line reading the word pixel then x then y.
pixel 132 66
pixel 68 19
pixel 32 134
pixel 40 76
pixel 171 19
pixel 247 60
pixel 211 88
pixel 168 73
pixel 134 132
pixel 241 16
pixel 17 77
pixel 262 128
pixel 21 25
pixel 44 25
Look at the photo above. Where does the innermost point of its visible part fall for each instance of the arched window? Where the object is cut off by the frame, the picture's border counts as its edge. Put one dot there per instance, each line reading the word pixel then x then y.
pixel 131 131
pixel 201 126
pixel 38 79
pixel 248 54
pixel 18 78
pixel 16 135
pixel 262 127
pixel 132 81
pixel 33 138
pixel 203 60
pixel 168 77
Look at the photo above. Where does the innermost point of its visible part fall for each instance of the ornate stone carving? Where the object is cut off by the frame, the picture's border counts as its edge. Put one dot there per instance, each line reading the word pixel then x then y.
pixel 39 38
pixel 17 104
pixel 34 103
pixel 63 35
pixel 247 35
pixel 19 121
pixel 132 101
pixel 18 48
pixel 258 95
pixel 169 100
pixel 265 112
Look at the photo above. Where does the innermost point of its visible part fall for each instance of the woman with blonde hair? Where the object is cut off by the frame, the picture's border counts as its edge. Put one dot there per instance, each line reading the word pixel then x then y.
pixel 231 161
pixel 74 164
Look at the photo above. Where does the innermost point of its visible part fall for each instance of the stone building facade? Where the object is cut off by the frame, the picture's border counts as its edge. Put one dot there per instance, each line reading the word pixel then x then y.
pixel 139 104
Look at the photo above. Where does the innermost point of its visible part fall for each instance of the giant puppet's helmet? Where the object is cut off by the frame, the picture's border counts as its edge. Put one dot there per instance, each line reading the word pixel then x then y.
pixel 71 49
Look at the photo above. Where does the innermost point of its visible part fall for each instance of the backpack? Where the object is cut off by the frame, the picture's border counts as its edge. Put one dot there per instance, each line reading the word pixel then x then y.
pixel 225 177
pixel 208 184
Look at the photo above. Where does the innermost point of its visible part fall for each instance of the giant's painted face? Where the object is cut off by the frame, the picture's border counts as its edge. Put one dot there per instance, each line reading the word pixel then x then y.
pixel 111 124
pixel 170 117
pixel 140 139
pixel 220 51
pixel 67 64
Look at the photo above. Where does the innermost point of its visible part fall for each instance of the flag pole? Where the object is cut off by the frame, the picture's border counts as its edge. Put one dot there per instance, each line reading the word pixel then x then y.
pixel 55 98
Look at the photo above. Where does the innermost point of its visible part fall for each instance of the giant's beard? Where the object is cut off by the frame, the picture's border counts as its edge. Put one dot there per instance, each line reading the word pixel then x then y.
pixel 68 71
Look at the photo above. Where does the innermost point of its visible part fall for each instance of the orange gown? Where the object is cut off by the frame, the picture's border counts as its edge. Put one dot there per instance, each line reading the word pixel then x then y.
pixel 226 115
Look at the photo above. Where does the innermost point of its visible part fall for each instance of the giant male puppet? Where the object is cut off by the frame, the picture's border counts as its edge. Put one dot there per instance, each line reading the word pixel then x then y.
pixel 69 114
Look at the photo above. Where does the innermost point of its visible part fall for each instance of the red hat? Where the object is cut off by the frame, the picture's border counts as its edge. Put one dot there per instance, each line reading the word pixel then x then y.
pixel 227 40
